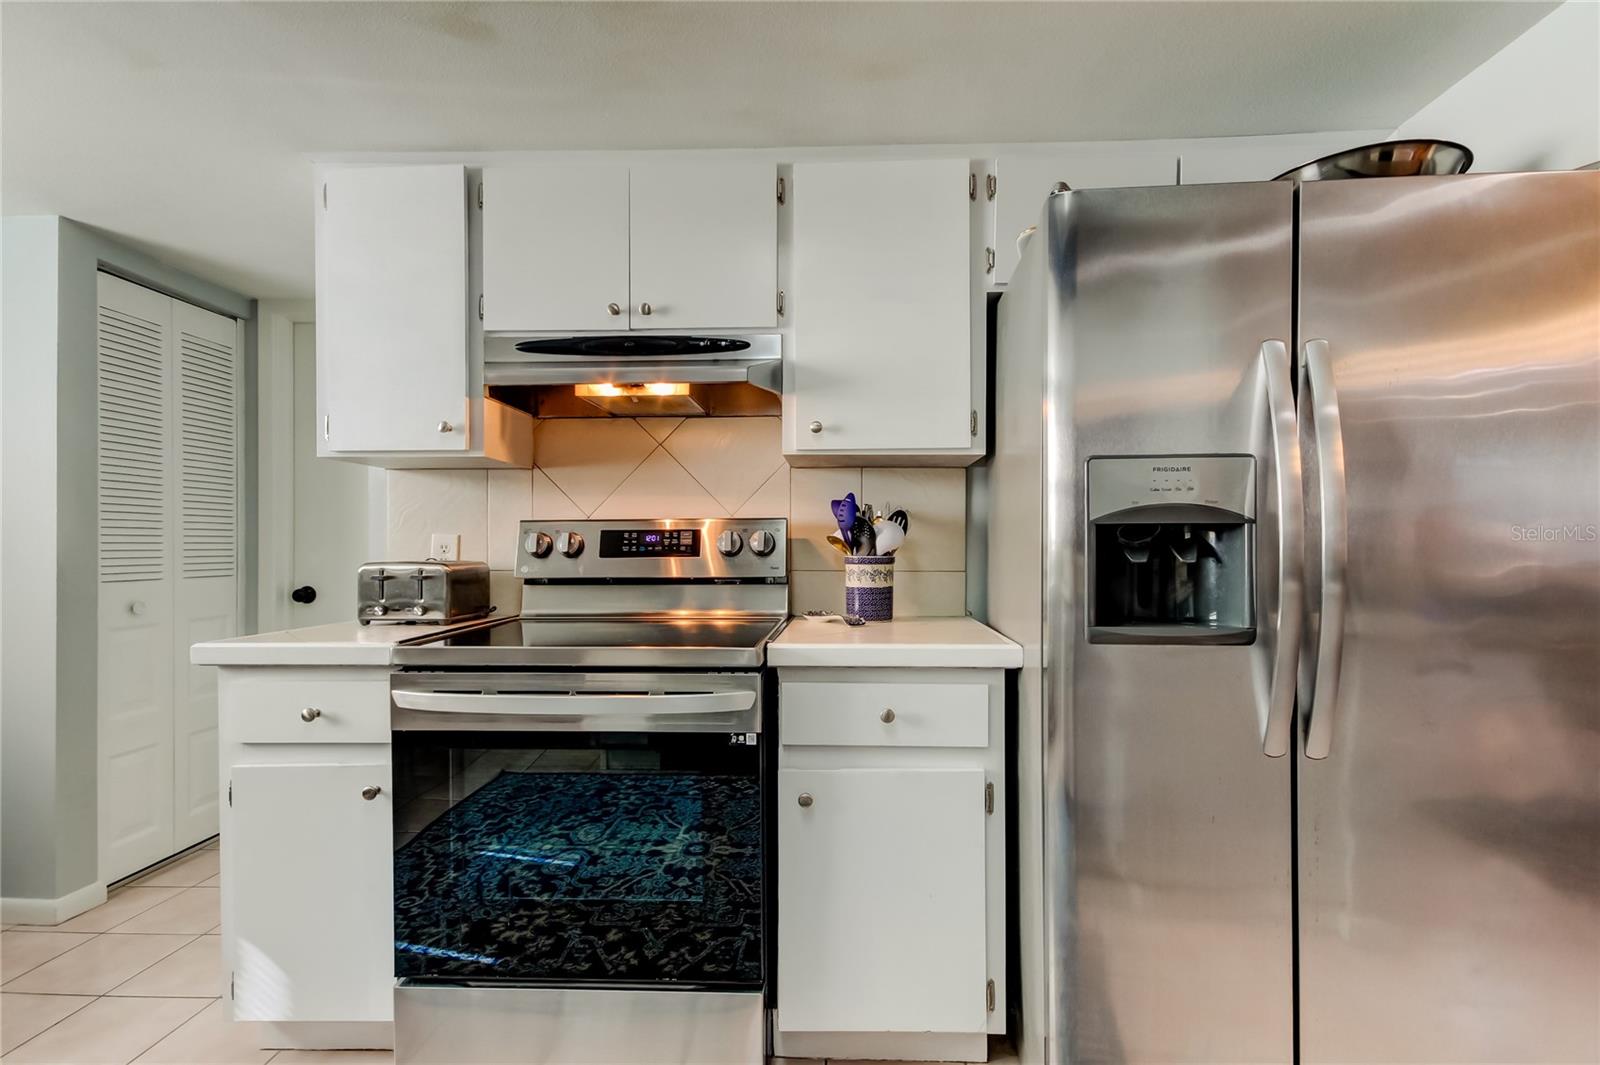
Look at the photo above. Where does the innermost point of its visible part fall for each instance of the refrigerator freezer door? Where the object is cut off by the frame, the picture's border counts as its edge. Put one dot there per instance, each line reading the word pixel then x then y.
pixel 1167 828
pixel 1449 877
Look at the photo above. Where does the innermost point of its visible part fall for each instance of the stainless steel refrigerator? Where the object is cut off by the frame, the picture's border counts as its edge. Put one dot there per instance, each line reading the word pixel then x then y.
pixel 1293 505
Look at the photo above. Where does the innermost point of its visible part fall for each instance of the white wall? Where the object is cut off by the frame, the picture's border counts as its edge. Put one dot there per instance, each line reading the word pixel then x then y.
pixel 1534 105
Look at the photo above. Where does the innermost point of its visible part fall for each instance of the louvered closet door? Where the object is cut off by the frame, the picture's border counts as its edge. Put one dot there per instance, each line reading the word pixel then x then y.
pixel 136 494
pixel 206 391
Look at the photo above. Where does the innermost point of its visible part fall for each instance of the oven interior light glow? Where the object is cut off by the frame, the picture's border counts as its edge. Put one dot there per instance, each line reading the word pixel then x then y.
pixel 612 390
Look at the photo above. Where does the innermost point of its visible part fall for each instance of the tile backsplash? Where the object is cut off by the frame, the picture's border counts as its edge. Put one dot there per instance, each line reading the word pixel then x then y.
pixel 688 468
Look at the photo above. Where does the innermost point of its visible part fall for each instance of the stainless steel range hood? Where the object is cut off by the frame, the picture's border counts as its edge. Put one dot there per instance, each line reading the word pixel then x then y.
pixel 635 359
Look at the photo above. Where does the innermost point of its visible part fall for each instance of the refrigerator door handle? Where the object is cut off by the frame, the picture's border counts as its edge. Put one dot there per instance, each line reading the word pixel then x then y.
pixel 1318 391
pixel 1291 549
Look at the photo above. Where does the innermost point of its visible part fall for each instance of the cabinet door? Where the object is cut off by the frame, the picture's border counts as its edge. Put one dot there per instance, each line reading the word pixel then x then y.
pixel 392 336
pixel 555 247
pixel 703 247
pixel 882 306
pixel 1023 182
pixel 881 901
pixel 311 883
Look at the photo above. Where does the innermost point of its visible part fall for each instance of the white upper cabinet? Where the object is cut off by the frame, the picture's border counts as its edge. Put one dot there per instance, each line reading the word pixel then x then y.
pixel 595 247
pixel 555 247
pixel 1023 181
pixel 392 309
pixel 704 245
pixel 885 306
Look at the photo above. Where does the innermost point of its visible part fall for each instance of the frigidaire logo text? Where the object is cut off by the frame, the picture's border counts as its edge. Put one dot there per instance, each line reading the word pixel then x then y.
pixel 1171 469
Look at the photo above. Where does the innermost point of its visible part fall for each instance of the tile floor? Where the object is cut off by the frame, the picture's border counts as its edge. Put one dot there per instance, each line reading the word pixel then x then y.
pixel 135 979
pixel 138 979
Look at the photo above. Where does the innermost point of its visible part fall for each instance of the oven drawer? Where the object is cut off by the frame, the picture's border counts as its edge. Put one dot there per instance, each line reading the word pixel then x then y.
pixel 899 714
pixel 300 710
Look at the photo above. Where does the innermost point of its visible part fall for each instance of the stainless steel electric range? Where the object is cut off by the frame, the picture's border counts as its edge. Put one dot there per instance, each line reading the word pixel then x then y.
pixel 582 841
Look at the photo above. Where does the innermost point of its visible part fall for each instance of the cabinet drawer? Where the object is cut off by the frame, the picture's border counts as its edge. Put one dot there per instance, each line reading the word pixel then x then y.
pixel 270 710
pixel 833 713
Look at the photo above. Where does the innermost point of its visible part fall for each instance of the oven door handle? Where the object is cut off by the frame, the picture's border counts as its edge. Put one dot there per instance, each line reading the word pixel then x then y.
pixel 577 705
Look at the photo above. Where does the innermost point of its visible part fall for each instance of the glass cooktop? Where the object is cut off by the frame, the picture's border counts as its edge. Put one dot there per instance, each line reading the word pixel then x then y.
pixel 650 642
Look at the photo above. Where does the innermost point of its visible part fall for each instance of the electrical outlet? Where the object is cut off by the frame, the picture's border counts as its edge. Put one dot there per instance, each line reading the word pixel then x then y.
pixel 446 547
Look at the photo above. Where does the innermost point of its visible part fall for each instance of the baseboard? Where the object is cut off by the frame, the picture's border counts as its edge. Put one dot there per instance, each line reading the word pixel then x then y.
pixel 326 1035
pixel 52 911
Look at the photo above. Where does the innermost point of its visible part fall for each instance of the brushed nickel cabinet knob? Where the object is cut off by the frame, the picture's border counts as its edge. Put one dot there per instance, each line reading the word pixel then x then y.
pixel 815 427
pixel 805 799
pixel 887 717
pixel 310 714
pixel 446 427
pixel 614 309
pixel 370 792
pixel 646 309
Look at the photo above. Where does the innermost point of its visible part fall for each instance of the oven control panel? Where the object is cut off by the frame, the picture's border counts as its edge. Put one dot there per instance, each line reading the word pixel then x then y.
pixel 660 549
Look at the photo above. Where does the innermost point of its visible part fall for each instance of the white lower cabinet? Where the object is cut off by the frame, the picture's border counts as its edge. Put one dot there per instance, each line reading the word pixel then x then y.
pixel 891 863
pixel 881 900
pixel 312 925
pixel 307 853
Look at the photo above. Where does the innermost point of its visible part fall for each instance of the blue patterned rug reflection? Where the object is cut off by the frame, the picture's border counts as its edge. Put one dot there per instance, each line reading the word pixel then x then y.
pixel 613 876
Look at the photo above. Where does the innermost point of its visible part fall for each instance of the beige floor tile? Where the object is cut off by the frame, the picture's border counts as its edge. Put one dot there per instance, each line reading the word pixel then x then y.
pixel 213 843
pixel 25 949
pixel 98 965
pixel 124 903
pixel 210 1037
pixel 334 1057
pixel 215 881
pixel 193 910
pixel 24 1016
pixel 187 872
pixel 192 971
pixel 108 1031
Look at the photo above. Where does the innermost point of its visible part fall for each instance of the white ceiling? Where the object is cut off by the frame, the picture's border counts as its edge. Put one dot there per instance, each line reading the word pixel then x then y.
pixel 187 128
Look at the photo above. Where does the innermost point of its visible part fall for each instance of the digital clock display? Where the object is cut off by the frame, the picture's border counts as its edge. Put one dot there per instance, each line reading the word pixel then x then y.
pixel 653 543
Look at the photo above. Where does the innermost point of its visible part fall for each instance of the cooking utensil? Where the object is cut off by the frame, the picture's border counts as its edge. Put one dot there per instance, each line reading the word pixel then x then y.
pixel 902 519
pixel 844 512
pixel 1387 159
pixel 848 619
pixel 863 537
pixel 838 541
pixel 890 537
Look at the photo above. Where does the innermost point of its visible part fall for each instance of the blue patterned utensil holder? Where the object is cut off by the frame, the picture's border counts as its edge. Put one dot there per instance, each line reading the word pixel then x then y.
pixel 869 586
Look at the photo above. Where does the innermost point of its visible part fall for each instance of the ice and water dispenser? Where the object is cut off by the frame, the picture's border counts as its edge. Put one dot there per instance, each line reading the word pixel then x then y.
pixel 1171 549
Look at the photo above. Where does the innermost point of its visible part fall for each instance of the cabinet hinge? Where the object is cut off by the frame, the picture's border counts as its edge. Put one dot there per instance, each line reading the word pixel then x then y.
pixel 972 186
pixel 988 260
pixel 480 195
pixel 972 424
pixel 325 427
pixel 988 996
pixel 480 306
pixel 783 197
pixel 989 185
pixel 988 798
pixel 230 986
pixel 230 793
pixel 780 303
pixel 324 195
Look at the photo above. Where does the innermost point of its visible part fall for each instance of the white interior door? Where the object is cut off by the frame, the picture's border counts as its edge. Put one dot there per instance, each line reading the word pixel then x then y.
pixel 312 948
pixel 330 508
pixel 136 496
pixel 208 392
pixel 883 305
pixel 881 917
pixel 703 245
pixel 555 247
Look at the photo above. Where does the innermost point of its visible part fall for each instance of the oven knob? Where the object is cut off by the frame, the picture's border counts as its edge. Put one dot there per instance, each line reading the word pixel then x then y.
pixel 569 544
pixel 730 543
pixel 538 544
pixel 763 543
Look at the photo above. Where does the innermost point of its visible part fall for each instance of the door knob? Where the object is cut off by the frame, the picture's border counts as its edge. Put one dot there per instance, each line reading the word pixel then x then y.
pixel 646 309
pixel 304 594
pixel 310 714
pixel 815 427
pixel 613 309
pixel 370 792
pixel 887 717
pixel 136 608
pixel 446 427
pixel 805 799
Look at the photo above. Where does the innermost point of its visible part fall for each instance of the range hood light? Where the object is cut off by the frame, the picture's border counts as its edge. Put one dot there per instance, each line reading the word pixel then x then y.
pixel 609 390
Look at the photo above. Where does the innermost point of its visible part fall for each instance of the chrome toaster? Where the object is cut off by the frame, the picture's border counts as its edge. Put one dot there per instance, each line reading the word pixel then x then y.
pixel 432 592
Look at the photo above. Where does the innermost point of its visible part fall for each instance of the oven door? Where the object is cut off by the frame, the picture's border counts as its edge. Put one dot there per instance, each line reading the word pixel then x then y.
pixel 579 830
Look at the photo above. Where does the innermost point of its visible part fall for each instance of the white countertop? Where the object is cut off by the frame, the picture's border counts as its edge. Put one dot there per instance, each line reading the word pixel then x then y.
pixel 342 643
pixel 911 643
